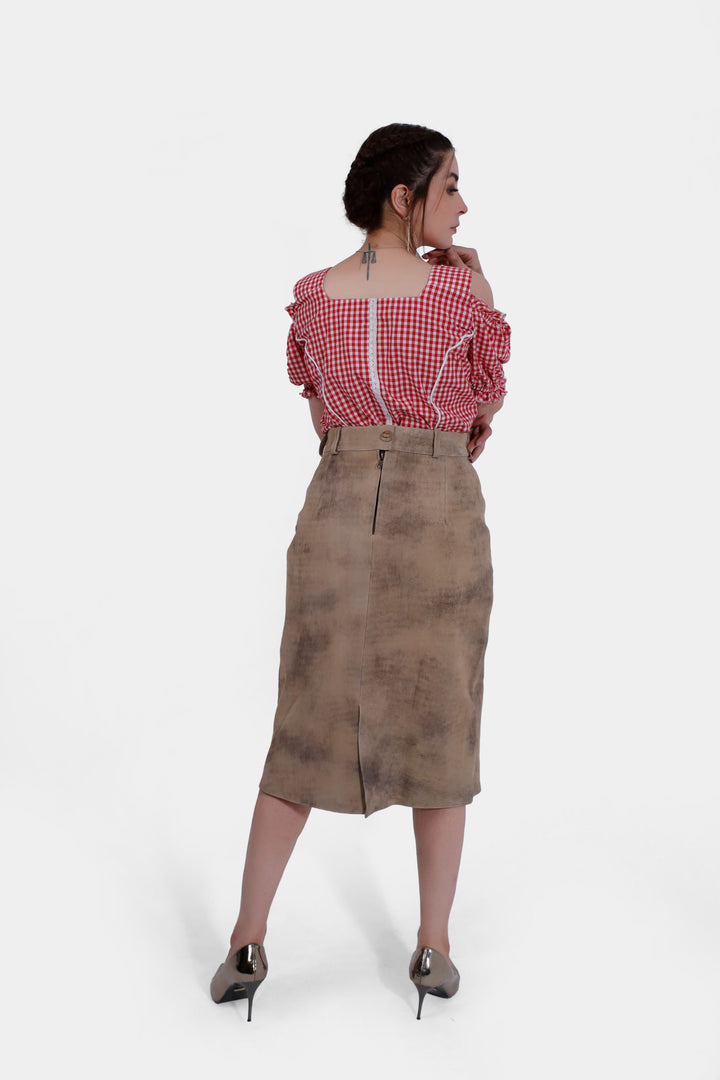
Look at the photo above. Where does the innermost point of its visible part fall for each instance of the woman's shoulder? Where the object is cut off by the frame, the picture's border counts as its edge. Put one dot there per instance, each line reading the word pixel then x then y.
pixel 309 285
pixel 454 285
pixel 453 278
pixel 463 283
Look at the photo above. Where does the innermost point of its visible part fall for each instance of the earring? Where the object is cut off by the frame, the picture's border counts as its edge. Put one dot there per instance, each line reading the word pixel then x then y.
pixel 408 241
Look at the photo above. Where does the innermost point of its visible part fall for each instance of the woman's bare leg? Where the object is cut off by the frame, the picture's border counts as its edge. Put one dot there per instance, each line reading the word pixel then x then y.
pixel 439 839
pixel 275 827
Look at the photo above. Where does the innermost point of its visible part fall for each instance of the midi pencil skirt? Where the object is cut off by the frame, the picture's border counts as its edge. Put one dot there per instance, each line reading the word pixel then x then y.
pixel 388 598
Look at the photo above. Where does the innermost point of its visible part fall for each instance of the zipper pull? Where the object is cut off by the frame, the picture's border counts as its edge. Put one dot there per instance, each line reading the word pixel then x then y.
pixel 380 461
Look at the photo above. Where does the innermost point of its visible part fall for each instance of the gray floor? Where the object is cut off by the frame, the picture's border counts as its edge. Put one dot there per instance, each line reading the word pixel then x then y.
pixel 588 945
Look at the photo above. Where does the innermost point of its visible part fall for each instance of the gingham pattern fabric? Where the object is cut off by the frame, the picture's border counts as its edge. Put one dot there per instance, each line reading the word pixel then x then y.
pixel 417 361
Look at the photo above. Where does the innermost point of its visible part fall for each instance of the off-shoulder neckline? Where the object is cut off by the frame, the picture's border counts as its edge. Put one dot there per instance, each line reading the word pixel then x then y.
pixel 336 299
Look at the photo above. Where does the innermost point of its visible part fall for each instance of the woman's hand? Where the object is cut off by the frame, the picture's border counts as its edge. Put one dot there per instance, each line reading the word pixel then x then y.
pixel 454 256
pixel 481 431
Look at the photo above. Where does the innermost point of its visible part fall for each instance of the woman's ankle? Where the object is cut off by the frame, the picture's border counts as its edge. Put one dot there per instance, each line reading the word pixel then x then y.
pixel 244 934
pixel 434 940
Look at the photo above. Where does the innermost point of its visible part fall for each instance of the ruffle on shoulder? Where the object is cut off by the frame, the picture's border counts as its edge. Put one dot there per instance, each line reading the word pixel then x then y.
pixel 308 287
pixel 489 350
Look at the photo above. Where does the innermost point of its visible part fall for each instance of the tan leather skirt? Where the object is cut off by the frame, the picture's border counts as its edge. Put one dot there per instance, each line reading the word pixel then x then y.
pixel 389 591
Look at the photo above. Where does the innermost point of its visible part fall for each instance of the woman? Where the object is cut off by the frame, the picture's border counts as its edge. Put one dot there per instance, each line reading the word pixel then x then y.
pixel 389 577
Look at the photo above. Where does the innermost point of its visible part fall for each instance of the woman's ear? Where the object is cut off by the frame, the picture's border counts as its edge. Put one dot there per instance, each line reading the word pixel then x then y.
pixel 401 200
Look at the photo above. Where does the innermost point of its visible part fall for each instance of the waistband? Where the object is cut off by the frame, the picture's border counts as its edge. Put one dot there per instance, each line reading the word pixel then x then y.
pixel 407 440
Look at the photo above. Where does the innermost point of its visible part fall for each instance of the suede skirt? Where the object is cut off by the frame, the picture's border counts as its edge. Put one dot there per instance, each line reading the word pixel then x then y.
pixel 388 598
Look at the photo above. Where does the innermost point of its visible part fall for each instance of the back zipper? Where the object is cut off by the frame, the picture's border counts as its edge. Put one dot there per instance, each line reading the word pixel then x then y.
pixel 377 493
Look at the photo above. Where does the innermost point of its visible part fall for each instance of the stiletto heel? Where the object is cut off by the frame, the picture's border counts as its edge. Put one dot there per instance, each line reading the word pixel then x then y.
pixel 422 991
pixel 240 975
pixel 433 973
pixel 252 988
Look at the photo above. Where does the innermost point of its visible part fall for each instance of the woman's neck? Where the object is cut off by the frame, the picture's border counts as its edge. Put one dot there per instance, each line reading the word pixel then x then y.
pixel 387 240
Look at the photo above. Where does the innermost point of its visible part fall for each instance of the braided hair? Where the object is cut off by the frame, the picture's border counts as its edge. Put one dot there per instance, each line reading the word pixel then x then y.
pixel 396 154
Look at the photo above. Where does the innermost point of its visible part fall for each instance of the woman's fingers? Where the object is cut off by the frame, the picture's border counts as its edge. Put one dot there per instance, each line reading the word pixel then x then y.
pixel 479 435
pixel 455 256
pixel 448 256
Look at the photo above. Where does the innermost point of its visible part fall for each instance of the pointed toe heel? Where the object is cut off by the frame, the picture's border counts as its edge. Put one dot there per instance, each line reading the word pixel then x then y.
pixel 432 973
pixel 240 975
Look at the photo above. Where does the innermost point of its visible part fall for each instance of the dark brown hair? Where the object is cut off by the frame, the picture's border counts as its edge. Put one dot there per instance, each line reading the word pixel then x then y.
pixel 396 154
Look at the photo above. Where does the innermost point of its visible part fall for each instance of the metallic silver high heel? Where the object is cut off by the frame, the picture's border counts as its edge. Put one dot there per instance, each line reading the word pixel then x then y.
pixel 240 975
pixel 433 973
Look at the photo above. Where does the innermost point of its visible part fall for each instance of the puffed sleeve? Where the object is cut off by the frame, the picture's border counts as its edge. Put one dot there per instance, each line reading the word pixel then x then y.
pixel 299 372
pixel 489 350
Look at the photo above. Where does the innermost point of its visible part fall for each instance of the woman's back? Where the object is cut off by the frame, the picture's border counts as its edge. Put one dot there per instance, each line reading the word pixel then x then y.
pixel 396 341
pixel 388 273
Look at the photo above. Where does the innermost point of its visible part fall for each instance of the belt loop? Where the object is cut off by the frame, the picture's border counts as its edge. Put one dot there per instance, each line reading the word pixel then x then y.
pixel 435 446
pixel 335 440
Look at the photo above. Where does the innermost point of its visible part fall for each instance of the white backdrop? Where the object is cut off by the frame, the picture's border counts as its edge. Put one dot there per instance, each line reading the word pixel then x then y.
pixel 170 170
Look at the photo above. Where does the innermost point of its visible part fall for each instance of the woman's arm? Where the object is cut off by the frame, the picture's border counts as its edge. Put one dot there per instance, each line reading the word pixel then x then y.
pixel 480 287
pixel 489 408
pixel 317 407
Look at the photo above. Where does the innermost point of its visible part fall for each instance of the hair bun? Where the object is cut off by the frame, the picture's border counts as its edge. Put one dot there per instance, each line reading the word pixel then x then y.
pixel 395 154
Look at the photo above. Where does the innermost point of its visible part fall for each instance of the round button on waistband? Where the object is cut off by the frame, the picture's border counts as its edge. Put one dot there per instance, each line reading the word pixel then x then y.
pixel 386 435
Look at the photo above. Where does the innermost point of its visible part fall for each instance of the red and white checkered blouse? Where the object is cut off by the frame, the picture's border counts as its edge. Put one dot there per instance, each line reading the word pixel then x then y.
pixel 417 361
